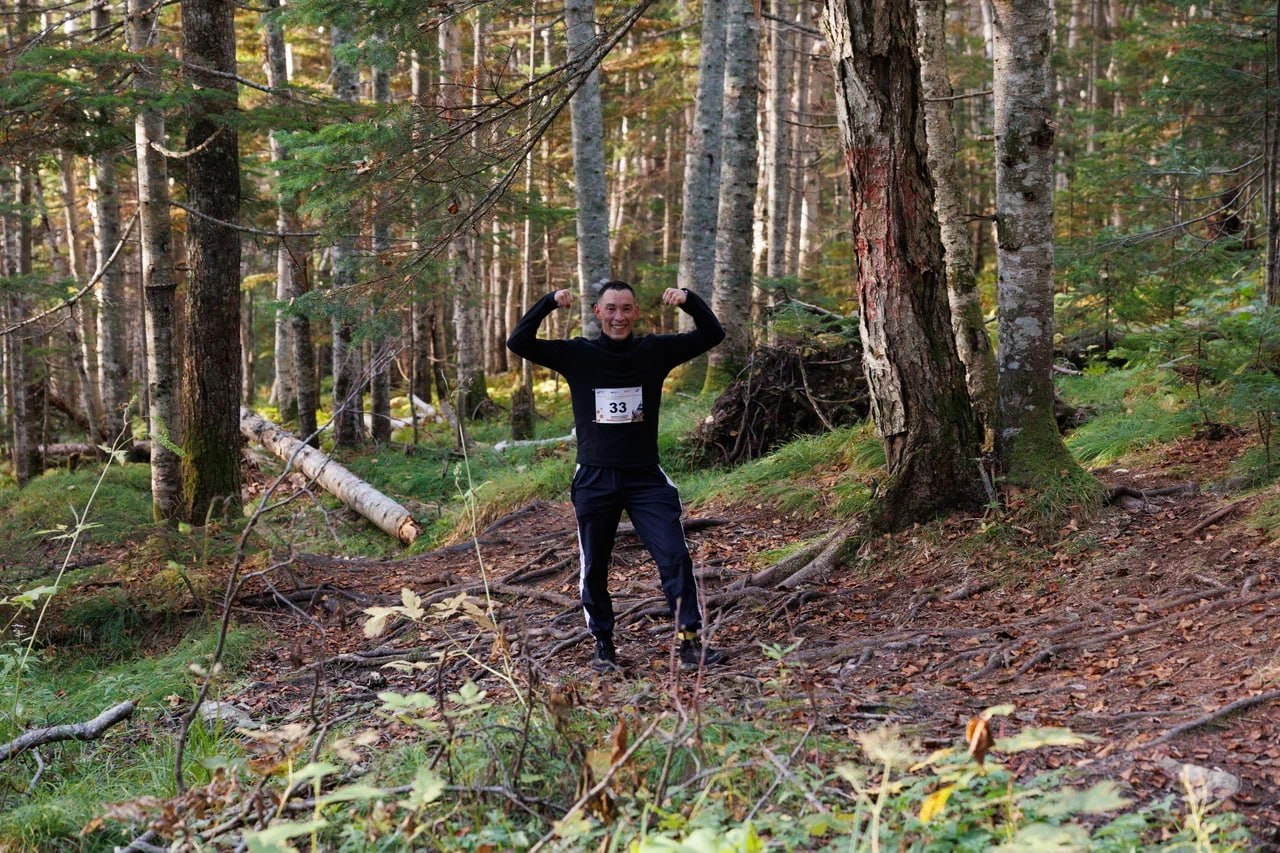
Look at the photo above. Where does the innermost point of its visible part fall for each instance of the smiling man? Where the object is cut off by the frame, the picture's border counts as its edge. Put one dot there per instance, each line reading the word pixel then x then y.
pixel 615 381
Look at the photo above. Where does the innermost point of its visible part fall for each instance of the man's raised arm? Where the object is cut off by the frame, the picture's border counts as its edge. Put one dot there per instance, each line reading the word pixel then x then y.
pixel 524 340
pixel 707 331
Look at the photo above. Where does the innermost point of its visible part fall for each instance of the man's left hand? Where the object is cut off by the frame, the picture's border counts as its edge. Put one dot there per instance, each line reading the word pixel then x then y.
pixel 674 296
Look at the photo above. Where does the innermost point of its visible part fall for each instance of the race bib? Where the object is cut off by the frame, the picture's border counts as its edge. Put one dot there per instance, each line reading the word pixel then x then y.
pixel 619 405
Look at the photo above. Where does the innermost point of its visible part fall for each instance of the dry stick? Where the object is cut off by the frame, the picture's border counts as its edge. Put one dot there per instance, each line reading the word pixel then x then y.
pixel 602 784
pixel 1214 716
pixel 1214 518
pixel 91 730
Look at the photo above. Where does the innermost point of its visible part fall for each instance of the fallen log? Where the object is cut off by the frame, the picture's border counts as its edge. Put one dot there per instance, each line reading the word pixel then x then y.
pixel 90 730
pixel 387 515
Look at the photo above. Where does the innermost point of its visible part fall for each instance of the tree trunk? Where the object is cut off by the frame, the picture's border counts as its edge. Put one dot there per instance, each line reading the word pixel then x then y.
pixel 731 299
pixel 113 354
pixel 702 160
pixel 1030 449
pixel 159 284
pixel 380 363
pixel 778 135
pixel 387 515
pixel 587 118
pixel 24 385
pixel 472 395
pixel 84 319
pixel 211 377
pixel 913 373
pixel 348 415
pixel 284 388
pixel 972 342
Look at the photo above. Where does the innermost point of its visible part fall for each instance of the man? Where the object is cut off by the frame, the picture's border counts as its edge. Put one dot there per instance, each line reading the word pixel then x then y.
pixel 615 381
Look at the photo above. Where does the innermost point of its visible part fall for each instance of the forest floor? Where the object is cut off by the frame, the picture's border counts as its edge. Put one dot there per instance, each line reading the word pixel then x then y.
pixel 1123 626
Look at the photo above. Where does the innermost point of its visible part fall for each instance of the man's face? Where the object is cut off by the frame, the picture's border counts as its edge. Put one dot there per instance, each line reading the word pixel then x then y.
pixel 616 311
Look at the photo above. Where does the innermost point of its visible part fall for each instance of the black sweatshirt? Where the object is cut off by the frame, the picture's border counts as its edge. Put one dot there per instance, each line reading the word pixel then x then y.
pixel 616 386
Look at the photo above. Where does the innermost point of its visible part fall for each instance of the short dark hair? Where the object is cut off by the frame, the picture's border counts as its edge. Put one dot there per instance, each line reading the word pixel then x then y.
pixel 615 285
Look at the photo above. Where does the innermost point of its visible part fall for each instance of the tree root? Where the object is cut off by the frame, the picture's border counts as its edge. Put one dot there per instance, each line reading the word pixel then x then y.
pixel 1214 716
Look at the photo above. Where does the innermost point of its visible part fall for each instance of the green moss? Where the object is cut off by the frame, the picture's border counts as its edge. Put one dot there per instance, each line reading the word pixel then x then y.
pixel 1037 455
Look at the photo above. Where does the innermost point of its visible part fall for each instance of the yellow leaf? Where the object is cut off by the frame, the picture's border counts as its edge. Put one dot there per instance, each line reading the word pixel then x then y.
pixel 412 604
pixel 935 803
pixel 378 617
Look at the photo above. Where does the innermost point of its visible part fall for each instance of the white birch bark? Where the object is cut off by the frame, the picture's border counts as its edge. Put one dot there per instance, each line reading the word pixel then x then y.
pixel 284 391
pixel 380 363
pixel 587 118
pixel 702 162
pixel 778 134
pixel 1027 439
pixel 387 515
pixel 731 299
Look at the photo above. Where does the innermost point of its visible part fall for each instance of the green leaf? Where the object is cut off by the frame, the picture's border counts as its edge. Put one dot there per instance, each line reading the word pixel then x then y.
pixel 1037 737
pixel 350 793
pixel 1102 797
pixel 275 838
pixel 1045 838
pixel 427 788
pixel 312 771
pixel 28 597
pixel 394 702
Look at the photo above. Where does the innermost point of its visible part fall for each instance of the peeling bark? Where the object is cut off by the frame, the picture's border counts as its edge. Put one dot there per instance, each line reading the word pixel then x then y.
pixel 915 377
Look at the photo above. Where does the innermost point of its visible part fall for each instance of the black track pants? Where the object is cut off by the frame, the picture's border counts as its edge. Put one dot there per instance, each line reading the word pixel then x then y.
pixel 653 504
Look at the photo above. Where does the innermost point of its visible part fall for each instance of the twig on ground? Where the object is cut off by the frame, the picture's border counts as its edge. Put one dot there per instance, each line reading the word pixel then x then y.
pixel 1213 519
pixel 1214 716
pixel 90 730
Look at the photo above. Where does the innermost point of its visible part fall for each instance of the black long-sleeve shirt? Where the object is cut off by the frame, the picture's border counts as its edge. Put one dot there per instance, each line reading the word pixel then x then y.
pixel 616 386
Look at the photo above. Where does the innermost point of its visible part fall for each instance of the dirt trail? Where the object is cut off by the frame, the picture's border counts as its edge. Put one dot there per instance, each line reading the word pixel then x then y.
pixel 1123 627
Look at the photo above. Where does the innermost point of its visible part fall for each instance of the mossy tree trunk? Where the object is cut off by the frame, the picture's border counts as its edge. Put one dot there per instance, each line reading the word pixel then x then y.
pixel 1027 439
pixel 915 377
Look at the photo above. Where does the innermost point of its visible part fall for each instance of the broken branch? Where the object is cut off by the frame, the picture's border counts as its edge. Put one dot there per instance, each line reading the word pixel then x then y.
pixel 91 730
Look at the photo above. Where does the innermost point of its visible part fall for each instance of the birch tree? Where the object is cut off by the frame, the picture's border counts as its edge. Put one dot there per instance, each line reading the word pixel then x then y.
pixel 466 286
pixel 211 351
pixel 1027 440
pixel 159 285
pixel 731 299
pixel 914 376
pixel 284 391
pixel 972 342
pixel 702 161
pixel 587 119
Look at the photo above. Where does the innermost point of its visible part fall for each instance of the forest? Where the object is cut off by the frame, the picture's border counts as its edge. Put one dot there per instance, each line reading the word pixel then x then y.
pixel 980 487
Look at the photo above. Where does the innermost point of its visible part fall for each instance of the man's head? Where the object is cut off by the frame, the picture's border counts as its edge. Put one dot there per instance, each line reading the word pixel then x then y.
pixel 616 309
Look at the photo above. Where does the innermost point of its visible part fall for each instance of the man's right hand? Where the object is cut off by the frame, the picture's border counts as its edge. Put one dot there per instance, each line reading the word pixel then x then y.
pixel 564 298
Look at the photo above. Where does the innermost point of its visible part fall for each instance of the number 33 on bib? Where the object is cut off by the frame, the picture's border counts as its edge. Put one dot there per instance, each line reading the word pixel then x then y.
pixel 619 405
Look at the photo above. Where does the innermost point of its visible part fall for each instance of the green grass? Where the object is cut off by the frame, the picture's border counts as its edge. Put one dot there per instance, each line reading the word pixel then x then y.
pixel 135 758
pixel 1133 409
pixel 814 474
pixel 122 506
